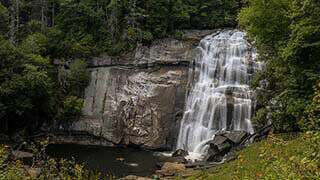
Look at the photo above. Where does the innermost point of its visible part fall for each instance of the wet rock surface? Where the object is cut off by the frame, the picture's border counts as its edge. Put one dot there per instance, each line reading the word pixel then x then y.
pixel 235 137
pixel 180 153
pixel 223 143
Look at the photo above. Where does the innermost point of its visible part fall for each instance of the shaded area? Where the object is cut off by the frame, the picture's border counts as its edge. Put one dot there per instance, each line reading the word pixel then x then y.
pixel 117 162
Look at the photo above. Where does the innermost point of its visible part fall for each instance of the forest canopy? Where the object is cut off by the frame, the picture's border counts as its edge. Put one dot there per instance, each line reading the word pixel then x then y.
pixel 287 35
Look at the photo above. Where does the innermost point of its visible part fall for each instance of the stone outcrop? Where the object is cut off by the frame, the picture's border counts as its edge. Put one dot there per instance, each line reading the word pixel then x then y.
pixel 224 143
pixel 180 153
pixel 34 172
pixel 22 154
pixel 133 107
pixel 138 99
pixel 171 169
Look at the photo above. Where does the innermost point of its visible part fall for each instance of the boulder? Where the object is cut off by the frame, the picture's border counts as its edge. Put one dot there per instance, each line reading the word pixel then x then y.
pixel 218 139
pixel 24 156
pixel 21 155
pixel 34 172
pixel 180 153
pixel 171 169
pixel 162 161
pixel 220 142
pixel 223 143
pixel 132 177
pixel 217 151
pixel 236 136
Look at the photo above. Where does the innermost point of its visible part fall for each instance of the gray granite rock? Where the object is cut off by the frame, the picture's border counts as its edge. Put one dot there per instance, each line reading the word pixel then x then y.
pixel 137 99
pixel 133 107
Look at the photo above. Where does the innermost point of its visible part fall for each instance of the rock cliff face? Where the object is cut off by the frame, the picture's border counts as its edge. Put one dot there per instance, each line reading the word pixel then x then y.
pixel 138 99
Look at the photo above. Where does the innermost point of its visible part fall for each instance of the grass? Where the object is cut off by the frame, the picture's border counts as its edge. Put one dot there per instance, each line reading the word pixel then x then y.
pixel 278 157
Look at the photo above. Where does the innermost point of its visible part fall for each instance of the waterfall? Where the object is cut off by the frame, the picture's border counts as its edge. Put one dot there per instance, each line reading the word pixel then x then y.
pixel 220 98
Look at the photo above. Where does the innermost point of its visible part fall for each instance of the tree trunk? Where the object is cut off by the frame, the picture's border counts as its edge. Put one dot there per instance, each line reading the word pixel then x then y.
pixel 43 15
pixel 14 21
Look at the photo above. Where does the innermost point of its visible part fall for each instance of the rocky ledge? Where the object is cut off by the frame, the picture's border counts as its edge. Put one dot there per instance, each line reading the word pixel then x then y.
pixel 224 144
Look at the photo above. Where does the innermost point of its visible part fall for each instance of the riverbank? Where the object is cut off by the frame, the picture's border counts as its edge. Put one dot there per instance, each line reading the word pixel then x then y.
pixel 278 157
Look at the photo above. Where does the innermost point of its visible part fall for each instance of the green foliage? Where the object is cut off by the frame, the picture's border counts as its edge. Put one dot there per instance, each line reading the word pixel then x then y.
pixel 267 22
pixel 8 169
pixel 11 59
pixel 27 83
pixel 72 108
pixel 260 117
pixel 64 169
pixel 72 83
pixel 287 34
pixel 89 27
pixel 77 77
pixel 26 96
pixel 30 92
pixel 312 113
pixel 50 168
pixel 33 26
pixel 4 19
pixel 278 157
pixel 82 29
pixel 34 44
pixel 210 14
pixel 25 88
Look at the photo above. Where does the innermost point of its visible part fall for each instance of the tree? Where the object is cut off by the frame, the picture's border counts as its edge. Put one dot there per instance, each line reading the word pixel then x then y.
pixel 77 78
pixel 287 34
pixel 25 97
pixel 4 19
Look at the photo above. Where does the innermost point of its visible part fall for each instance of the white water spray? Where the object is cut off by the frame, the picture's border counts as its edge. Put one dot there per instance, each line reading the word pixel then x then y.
pixel 220 98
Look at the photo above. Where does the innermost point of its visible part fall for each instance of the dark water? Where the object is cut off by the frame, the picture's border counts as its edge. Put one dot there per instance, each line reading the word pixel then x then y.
pixel 118 162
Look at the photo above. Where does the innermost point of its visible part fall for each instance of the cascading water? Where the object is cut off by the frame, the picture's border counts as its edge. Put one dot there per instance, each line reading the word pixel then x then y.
pixel 220 98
